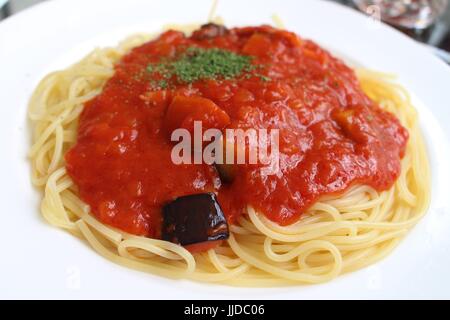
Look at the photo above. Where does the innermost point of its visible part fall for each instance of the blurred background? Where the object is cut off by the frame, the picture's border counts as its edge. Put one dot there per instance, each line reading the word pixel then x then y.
pixel 427 21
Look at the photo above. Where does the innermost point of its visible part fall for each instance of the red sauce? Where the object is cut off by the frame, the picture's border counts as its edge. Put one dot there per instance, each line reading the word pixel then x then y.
pixel 331 134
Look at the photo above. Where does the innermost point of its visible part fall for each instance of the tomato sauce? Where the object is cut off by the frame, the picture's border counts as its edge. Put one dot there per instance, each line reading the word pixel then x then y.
pixel 331 134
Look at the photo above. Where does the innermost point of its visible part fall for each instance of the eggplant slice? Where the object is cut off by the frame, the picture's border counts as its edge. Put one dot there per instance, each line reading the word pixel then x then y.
pixel 209 31
pixel 194 219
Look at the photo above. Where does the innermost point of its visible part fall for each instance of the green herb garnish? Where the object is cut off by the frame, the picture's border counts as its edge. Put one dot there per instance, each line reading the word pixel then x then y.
pixel 196 64
pixel 264 78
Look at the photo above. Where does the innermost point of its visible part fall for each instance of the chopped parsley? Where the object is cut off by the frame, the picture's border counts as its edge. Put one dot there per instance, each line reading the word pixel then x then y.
pixel 263 77
pixel 196 64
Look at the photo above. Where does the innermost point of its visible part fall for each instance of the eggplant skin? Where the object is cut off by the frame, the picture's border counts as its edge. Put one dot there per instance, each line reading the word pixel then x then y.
pixel 194 219
pixel 210 31
pixel 227 172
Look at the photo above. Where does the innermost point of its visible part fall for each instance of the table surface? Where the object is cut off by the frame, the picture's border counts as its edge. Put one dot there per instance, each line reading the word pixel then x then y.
pixel 437 35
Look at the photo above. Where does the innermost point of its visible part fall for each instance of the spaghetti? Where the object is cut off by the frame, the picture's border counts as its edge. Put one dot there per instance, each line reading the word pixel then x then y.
pixel 337 234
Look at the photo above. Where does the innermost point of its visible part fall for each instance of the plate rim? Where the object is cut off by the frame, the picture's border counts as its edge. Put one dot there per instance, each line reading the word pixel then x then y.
pixel 43 5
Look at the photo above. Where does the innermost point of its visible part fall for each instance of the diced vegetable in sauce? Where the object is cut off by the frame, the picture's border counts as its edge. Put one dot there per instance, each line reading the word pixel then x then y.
pixel 183 111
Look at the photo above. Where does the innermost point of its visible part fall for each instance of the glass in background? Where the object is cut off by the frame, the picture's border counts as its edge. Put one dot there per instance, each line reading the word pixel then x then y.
pixel 3 12
pixel 407 14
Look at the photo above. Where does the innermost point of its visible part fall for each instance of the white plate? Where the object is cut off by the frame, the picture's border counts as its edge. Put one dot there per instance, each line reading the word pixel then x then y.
pixel 39 261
